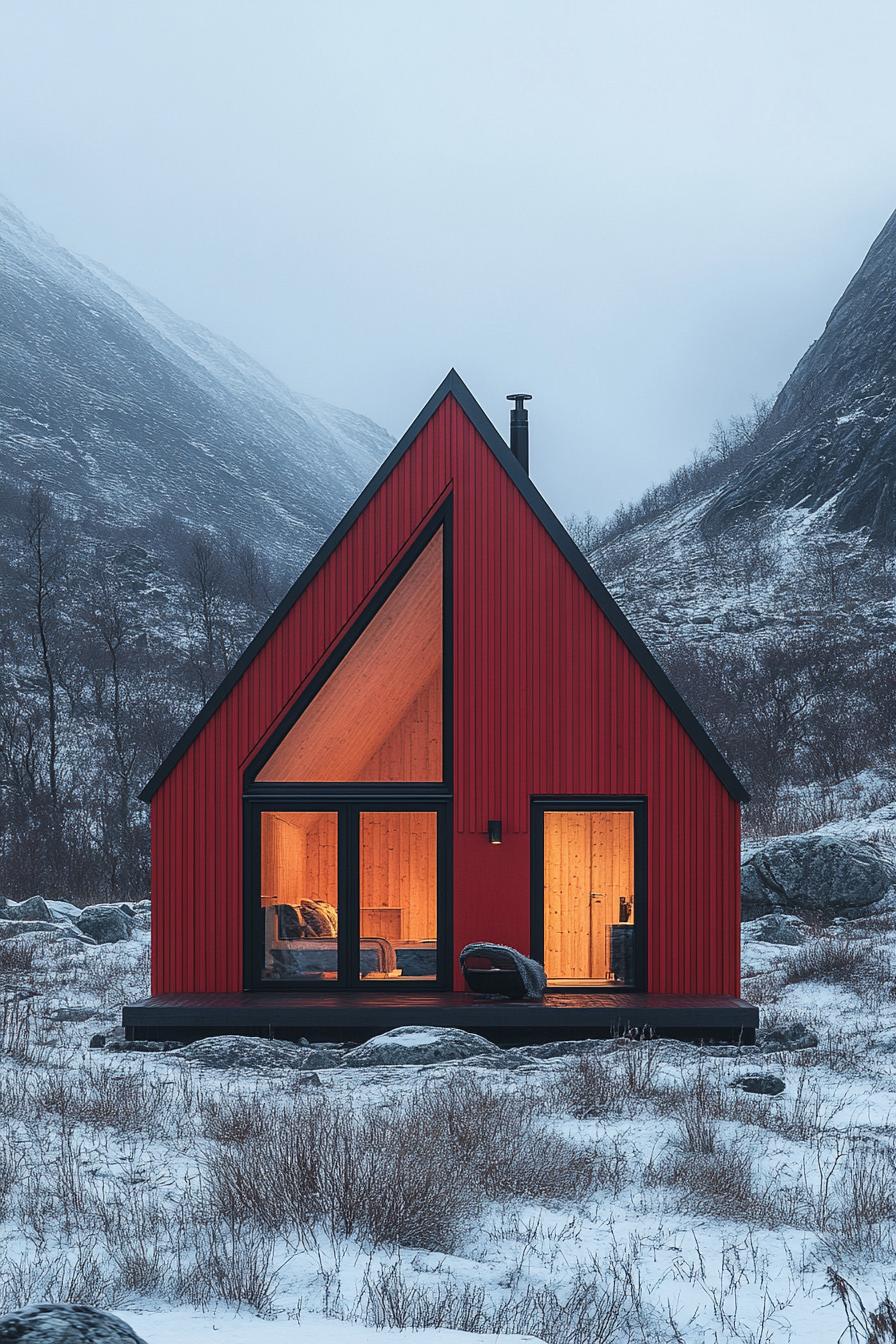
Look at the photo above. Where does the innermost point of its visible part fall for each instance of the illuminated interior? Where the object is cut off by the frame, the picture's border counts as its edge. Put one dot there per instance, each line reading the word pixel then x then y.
pixel 398 888
pixel 300 895
pixel 589 900
pixel 397 892
pixel 378 717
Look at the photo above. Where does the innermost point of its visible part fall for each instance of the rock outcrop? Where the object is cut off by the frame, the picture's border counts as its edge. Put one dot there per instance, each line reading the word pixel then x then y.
pixel 65 1323
pixel 818 875
pixel 419 1045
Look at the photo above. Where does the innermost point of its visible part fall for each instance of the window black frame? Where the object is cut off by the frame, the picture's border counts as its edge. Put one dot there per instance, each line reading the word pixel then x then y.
pixel 441 519
pixel 592 803
pixel 348 812
pixel 351 798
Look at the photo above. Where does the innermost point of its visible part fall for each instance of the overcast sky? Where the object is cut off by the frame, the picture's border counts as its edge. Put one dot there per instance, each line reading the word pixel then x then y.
pixel 641 213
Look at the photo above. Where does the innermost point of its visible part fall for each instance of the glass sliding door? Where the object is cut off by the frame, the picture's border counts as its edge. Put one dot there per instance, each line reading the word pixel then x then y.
pixel 300 895
pixel 398 895
pixel 350 893
pixel 589 903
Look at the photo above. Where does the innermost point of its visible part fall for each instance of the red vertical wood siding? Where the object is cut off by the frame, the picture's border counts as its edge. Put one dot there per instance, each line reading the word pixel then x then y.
pixel 547 700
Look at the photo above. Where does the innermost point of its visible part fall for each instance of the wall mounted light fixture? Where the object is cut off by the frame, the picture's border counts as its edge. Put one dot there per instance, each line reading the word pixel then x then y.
pixel 494 832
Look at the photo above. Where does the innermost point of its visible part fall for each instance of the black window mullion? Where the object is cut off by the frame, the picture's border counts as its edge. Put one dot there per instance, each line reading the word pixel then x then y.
pixel 349 896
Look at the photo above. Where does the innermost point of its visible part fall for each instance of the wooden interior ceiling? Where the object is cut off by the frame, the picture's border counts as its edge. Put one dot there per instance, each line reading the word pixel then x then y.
pixel 588 867
pixel 379 715
pixel 398 876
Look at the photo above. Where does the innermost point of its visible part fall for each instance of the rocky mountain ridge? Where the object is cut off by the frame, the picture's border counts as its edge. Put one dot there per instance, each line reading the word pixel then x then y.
pixel 764 575
pixel 830 439
pixel 128 411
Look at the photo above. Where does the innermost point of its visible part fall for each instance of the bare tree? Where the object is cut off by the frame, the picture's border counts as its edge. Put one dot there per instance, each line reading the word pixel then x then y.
pixel 43 572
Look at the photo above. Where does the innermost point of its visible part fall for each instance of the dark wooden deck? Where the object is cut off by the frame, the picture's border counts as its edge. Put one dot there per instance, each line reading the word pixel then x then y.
pixel 320 1016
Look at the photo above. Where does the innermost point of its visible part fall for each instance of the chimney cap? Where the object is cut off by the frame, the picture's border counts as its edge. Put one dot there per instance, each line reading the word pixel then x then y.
pixel 519 396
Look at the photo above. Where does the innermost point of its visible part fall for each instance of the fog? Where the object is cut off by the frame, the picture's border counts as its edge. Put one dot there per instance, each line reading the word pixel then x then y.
pixel 640 213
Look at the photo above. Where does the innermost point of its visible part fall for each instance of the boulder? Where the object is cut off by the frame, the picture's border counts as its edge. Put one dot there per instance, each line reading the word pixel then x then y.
pixel 795 1036
pixel 34 908
pixel 254 1052
pixel 64 910
pixel 765 1084
pixel 786 930
pixel 732 1051
pixel 65 1323
pixel 9 928
pixel 71 1013
pixel 821 875
pixel 565 1049
pixel 418 1045
pixel 106 923
pixel 117 1046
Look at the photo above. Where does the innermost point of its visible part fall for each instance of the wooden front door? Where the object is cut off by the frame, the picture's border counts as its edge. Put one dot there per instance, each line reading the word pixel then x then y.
pixel 587 872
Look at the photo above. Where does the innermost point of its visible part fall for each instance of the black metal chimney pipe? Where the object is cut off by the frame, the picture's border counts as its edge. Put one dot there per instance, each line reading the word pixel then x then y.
pixel 519 428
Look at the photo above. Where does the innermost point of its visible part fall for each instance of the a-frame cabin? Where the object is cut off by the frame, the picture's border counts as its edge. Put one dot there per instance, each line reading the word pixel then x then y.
pixel 446 732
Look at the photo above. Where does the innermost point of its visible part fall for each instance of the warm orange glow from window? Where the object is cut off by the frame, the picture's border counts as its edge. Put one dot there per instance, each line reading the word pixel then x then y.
pixel 379 716
pixel 299 894
pixel 397 862
pixel 589 866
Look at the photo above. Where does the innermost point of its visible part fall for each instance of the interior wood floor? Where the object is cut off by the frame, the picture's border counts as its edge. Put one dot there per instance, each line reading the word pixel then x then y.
pixel 356 1016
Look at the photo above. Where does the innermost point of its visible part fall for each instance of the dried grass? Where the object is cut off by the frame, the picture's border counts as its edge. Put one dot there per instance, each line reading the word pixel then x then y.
pixel 839 960
pixel 600 1304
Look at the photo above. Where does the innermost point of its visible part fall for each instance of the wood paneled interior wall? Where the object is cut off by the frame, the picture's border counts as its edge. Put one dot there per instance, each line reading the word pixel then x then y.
pixel 589 864
pixel 398 875
pixel 299 857
pixel 413 750
pixel 378 717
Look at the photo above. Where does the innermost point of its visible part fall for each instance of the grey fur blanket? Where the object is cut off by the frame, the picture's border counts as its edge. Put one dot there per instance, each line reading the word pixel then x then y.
pixel 530 972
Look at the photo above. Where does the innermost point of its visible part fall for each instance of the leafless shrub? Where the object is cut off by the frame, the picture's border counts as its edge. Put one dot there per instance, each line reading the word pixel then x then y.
pixel 838 1050
pixel 81 1277
pixel 863 1326
pixel 12 1165
pixel 639 1068
pixel 803 1113
pixel 857 1208
pixel 764 990
pixel 233 1261
pixel 697 1129
pixel 16 958
pixel 136 1233
pixel 839 960
pixel 599 1305
pixel 378 1175
pixel 588 1087
pixel 233 1119
pixel 506 1148
pixel 126 1101
pixel 20 1036
pixel 720 1183
pixel 410 1174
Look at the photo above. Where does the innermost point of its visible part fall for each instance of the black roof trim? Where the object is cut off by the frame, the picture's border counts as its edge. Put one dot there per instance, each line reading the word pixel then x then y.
pixel 454 386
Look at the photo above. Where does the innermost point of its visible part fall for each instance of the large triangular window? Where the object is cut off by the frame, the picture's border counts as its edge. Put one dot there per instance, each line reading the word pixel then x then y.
pixel 378 716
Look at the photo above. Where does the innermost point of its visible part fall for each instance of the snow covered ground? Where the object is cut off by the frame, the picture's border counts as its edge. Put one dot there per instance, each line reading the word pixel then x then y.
pixel 629 1193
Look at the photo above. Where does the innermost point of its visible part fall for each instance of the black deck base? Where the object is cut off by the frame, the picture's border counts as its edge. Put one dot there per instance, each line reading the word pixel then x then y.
pixel 358 1016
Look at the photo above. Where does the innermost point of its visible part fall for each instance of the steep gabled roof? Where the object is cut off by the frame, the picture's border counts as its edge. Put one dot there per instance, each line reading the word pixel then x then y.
pixel 454 386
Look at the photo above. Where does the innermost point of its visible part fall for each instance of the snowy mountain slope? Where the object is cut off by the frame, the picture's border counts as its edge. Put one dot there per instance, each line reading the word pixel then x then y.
pixel 765 575
pixel 831 435
pixel 125 408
